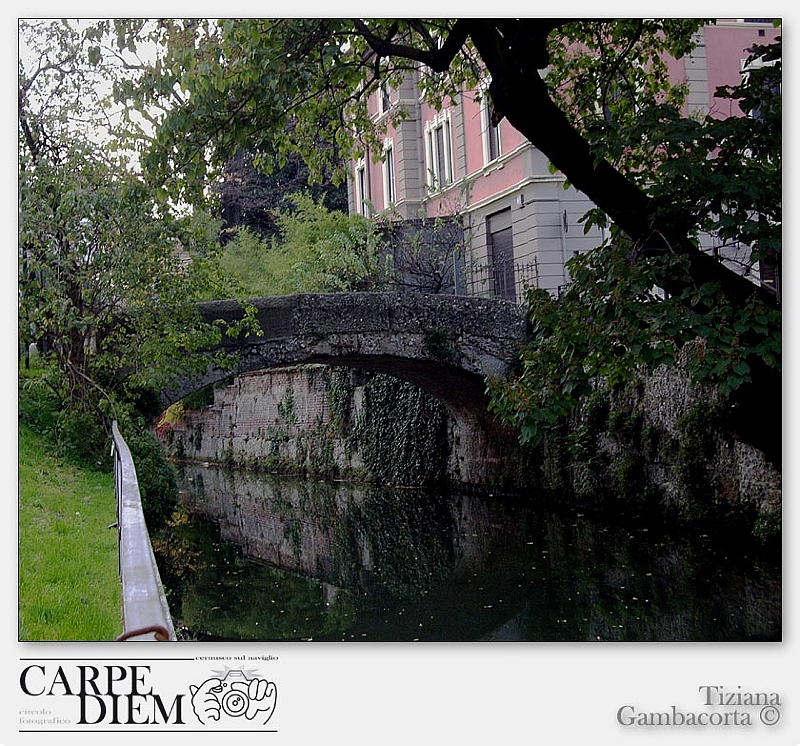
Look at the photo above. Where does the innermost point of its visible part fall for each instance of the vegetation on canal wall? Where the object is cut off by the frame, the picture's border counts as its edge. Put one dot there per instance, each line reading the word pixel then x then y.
pixel 653 445
pixel 401 433
pixel 657 444
pixel 317 421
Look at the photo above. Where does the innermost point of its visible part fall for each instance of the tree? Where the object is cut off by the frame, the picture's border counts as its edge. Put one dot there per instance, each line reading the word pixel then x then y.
pixel 107 274
pixel 428 255
pixel 315 250
pixel 251 198
pixel 299 85
pixel 725 174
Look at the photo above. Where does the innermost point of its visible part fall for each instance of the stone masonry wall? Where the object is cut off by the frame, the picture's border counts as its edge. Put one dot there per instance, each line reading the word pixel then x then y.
pixel 656 442
pixel 653 443
pixel 277 420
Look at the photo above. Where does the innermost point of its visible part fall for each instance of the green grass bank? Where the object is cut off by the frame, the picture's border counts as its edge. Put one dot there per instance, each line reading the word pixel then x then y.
pixel 69 587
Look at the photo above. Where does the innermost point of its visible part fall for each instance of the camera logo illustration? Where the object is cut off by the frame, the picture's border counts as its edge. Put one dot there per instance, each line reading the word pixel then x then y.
pixel 236 695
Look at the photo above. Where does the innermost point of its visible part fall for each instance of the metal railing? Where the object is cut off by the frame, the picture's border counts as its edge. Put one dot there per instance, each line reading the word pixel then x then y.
pixel 145 612
pixel 502 279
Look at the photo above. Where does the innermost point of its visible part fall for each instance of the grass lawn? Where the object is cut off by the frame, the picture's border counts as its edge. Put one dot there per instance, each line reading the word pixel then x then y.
pixel 69 587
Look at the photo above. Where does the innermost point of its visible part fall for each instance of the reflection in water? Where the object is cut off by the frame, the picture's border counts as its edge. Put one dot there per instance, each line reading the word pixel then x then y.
pixel 287 560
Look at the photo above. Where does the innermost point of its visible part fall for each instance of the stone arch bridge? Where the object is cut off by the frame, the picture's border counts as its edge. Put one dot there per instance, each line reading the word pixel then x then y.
pixel 447 345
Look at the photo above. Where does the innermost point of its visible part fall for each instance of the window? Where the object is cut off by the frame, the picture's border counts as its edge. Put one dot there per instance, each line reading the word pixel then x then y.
pixel 770 84
pixel 493 141
pixel 362 188
pixel 384 98
pixel 501 254
pixel 438 151
pixel 621 94
pixel 389 188
pixel 490 132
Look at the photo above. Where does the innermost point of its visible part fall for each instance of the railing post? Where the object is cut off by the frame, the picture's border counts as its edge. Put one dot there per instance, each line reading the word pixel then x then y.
pixel 145 612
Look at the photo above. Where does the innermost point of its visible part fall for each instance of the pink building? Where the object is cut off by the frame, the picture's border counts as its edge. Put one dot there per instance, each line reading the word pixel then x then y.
pixel 520 222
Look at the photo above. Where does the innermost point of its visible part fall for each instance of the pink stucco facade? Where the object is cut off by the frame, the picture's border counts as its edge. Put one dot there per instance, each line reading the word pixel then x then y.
pixel 513 208
pixel 727 47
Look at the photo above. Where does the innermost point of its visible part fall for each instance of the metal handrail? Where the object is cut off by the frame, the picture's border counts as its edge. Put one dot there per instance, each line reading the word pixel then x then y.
pixel 145 612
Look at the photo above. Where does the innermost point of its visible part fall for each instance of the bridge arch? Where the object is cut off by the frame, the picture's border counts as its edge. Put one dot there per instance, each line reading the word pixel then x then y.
pixel 447 345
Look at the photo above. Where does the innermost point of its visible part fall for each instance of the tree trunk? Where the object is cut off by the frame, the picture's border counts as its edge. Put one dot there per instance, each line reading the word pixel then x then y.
pixel 520 95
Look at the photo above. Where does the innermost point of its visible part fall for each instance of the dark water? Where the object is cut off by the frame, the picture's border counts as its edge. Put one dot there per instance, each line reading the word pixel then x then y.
pixel 255 557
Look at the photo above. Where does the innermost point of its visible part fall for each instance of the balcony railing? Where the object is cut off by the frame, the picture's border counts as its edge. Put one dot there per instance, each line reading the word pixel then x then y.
pixel 501 279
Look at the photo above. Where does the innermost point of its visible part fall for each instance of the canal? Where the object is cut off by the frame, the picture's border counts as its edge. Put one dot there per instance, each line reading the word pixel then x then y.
pixel 258 557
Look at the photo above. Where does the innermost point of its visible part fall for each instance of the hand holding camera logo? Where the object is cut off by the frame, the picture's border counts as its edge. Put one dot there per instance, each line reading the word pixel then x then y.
pixel 234 696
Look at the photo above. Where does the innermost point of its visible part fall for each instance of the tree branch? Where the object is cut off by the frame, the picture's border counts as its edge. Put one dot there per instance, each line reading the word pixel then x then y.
pixel 438 59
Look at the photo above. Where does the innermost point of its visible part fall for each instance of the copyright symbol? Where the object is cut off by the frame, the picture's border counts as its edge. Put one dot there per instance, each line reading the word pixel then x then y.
pixel 770 715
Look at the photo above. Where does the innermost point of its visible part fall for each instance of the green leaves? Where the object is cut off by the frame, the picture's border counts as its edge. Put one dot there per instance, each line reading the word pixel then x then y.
pixel 273 86
pixel 108 272
pixel 607 71
pixel 319 250
pixel 283 86
pixel 718 177
pixel 610 323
